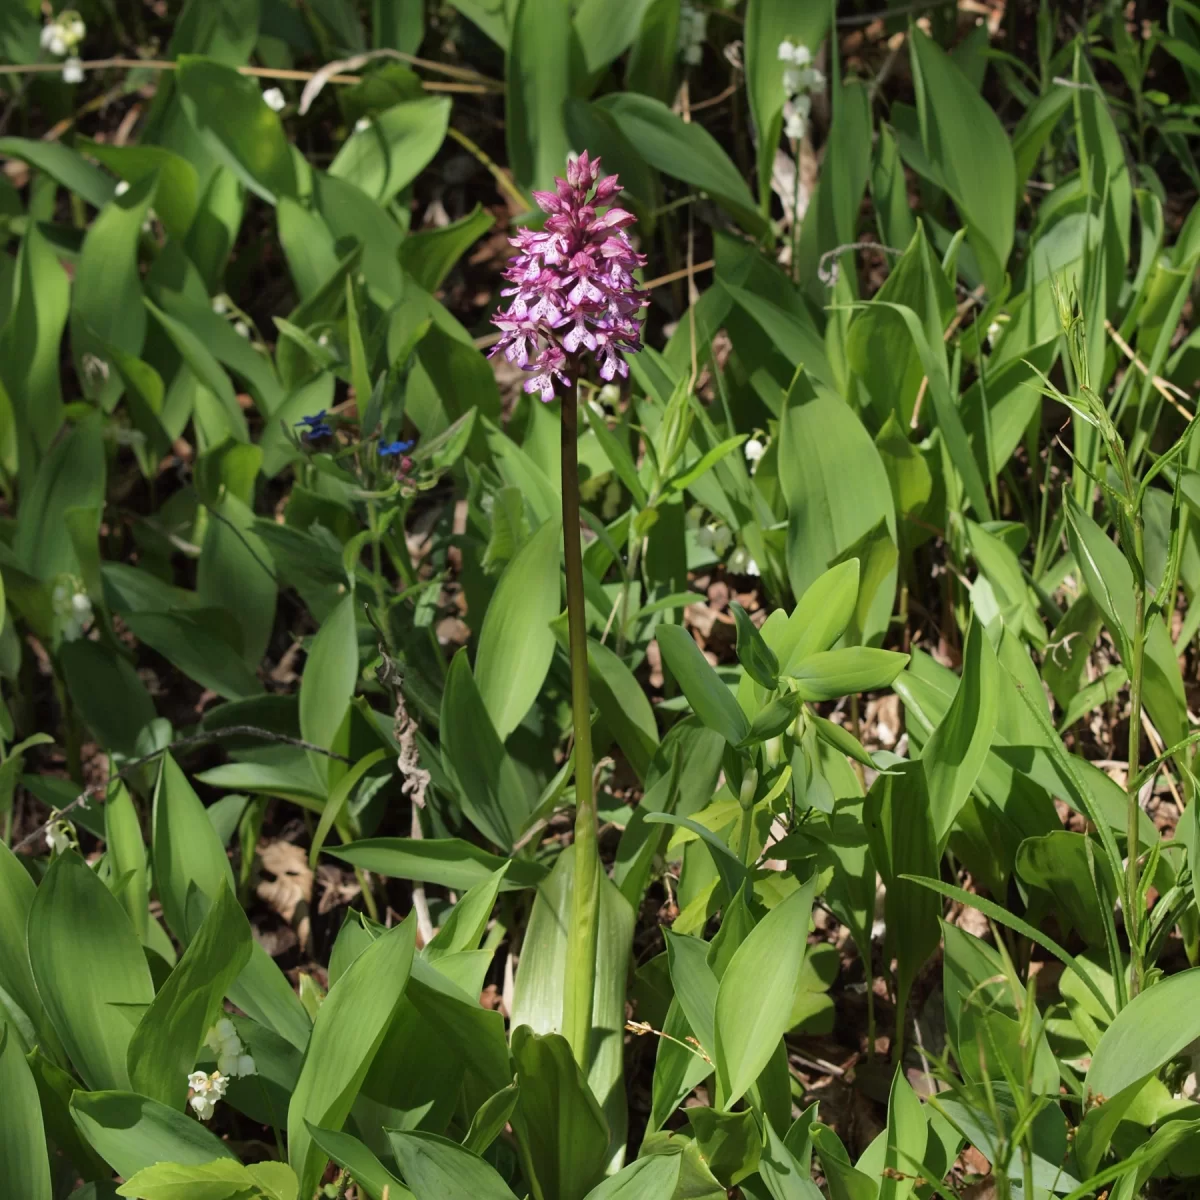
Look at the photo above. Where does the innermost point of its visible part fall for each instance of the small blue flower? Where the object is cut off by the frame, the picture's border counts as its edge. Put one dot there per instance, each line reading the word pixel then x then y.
pixel 316 426
pixel 387 449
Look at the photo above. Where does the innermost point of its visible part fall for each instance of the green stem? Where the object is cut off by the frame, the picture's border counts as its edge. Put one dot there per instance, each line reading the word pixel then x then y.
pixel 583 933
pixel 1133 916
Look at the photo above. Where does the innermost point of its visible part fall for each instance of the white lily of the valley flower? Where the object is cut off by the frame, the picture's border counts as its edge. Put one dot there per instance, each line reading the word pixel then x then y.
pixel 243 330
pixel 693 30
pixel 232 1060
pixel 121 188
pixel 274 99
pixel 220 304
pixel 791 52
pixel 72 71
pixel 58 837
pixel 753 450
pixel 62 36
pixel 206 1091
pixel 795 126
pixel 362 124
pixel 72 607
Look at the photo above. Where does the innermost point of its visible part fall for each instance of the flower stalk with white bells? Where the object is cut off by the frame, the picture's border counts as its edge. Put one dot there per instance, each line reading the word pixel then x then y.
pixel 62 37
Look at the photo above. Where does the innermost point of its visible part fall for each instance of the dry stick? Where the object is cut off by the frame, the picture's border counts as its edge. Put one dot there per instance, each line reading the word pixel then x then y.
pixel 159 64
pixel 1165 388
pixel 196 739
pixel 681 274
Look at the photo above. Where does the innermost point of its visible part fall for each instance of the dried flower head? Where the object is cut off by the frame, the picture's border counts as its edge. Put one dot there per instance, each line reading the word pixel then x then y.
pixel 573 285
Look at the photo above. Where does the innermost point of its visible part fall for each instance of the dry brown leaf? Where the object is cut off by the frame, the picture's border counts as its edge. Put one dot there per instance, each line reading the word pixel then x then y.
pixel 289 893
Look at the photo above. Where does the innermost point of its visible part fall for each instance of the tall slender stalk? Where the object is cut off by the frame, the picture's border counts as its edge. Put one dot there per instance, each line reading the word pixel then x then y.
pixel 1133 805
pixel 583 933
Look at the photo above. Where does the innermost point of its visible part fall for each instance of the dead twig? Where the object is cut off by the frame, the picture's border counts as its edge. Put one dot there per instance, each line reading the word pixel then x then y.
pixel 196 739
pixel 1164 387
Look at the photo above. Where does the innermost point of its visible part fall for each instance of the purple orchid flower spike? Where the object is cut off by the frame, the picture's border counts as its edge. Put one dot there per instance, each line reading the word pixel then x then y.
pixel 573 288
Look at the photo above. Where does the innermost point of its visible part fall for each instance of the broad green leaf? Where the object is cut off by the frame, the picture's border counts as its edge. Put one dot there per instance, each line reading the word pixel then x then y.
pixel 820 617
pixel 62 164
pixel 492 793
pixel 448 381
pixel 623 705
pixel 195 641
pixel 196 353
pixel 429 255
pixel 449 862
pixel 491 1119
pixel 541 974
pixel 17 891
pixel 234 561
pixel 1057 864
pixel 954 755
pixel 169 1036
pixel 963 136
pixel 616 450
pixel 833 673
pixel 106 304
pixel 831 219
pixel 834 497
pixel 768 24
pixel 132 1132
pixel 899 826
pixel 177 196
pixel 30 345
pixel 789 329
pixel 72 475
pixel 367 1171
pixel 651 1178
pixel 605 29
pixel 188 855
pixel 229 113
pixel 224 1179
pixel 753 653
pixel 933 362
pixel 24 1168
pixel 711 700
pixel 653 65
pixel 729 1142
pixel 1108 578
pixel 127 852
pixel 309 246
pixel 695 986
pixel 774 718
pixel 338 795
pixel 107 692
pixel 190 870
pixel 89 969
pixel 537 74
pixel 685 151
pixel 516 642
pixel 349 1028
pixel 327 685
pixel 906 1136
pixel 1148 1032
pixel 394 149
pixel 436 1168
pixel 754 1001
pixel 468 919
pixel 785 1176
pixel 557 1121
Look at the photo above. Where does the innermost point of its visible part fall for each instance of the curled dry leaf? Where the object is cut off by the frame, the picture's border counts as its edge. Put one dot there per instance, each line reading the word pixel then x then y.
pixel 289 893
